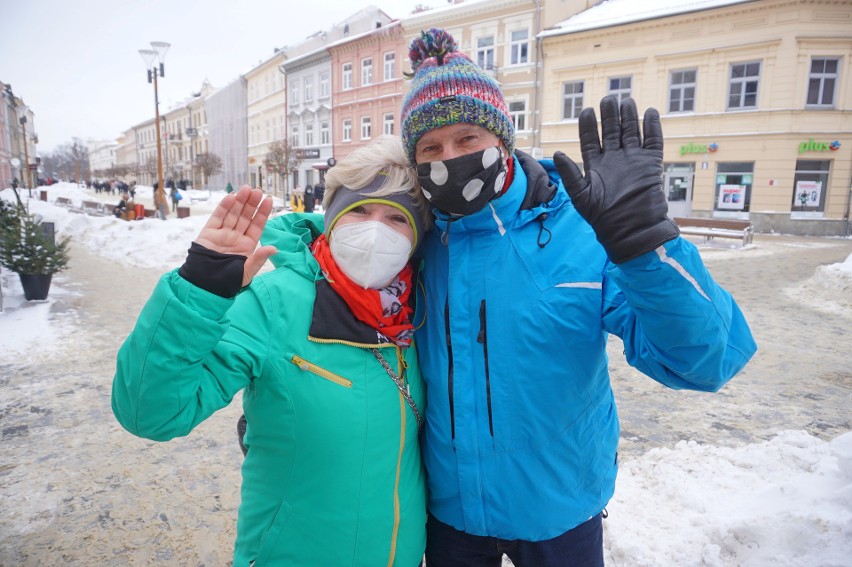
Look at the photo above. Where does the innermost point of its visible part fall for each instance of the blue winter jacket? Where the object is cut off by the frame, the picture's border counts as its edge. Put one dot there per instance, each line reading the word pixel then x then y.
pixel 521 431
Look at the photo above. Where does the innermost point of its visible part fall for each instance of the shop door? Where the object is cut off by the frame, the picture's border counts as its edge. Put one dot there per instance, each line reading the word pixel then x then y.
pixel 677 184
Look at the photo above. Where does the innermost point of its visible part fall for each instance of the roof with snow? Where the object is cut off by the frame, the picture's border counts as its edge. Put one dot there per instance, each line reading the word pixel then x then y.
pixel 618 12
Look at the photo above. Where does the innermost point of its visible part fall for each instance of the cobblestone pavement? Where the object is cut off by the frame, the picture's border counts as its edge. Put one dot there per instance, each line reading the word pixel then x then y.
pixel 75 489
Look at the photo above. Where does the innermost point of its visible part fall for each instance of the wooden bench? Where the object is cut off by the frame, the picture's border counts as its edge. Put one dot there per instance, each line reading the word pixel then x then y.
pixel 63 202
pixel 709 228
pixel 92 208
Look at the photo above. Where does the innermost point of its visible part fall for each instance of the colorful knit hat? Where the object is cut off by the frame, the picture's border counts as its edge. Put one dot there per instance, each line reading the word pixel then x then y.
pixel 448 88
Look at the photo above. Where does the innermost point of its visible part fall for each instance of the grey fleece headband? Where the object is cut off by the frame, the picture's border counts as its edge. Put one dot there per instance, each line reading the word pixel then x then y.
pixel 346 199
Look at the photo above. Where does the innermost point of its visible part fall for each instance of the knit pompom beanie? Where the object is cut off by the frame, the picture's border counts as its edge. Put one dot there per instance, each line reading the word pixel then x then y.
pixel 448 88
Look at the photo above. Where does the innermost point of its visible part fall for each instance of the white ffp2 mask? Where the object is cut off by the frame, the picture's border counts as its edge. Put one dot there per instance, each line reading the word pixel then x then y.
pixel 370 252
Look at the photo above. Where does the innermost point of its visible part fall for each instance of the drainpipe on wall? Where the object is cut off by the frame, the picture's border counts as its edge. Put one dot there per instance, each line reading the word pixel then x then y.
pixel 536 119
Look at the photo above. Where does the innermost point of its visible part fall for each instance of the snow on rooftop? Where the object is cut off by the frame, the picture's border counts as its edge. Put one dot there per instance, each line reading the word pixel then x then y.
pixel 618 12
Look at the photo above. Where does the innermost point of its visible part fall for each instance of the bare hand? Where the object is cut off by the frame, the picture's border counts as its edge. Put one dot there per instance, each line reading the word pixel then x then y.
pixel 235 228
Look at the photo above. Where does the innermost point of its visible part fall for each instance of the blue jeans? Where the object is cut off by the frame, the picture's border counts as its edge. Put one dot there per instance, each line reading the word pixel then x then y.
pixel 578 547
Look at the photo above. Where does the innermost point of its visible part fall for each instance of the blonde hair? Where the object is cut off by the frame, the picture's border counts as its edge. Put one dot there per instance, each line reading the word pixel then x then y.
pixel 383 156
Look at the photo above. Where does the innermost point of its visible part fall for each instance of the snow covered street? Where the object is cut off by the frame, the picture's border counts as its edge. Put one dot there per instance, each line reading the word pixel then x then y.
pixel 759 474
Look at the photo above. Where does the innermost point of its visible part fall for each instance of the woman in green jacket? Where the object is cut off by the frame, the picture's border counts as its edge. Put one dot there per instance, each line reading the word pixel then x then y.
pixel 321 347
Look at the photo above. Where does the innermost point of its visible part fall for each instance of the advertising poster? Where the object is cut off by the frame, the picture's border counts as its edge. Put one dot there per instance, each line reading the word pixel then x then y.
pixel 731 197
pixel 808 193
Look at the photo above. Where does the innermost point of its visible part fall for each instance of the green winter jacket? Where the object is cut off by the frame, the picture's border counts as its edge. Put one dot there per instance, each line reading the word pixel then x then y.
pixel 333 473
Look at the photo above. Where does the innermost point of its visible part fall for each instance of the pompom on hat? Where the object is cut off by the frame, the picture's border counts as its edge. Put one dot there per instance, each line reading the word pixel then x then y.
pixel 448 88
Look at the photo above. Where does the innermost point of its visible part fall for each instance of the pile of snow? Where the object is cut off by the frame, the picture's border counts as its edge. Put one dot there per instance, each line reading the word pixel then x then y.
pixel 783 502
pixel 829 290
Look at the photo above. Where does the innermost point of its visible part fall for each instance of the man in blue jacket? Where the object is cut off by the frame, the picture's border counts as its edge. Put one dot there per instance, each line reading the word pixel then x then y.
pixel 531 266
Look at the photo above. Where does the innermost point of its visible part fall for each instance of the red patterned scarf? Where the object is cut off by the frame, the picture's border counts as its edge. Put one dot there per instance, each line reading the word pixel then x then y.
pixel 385 310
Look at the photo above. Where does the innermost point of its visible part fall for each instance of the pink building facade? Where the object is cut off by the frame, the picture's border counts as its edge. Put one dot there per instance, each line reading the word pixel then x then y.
pixel 367 86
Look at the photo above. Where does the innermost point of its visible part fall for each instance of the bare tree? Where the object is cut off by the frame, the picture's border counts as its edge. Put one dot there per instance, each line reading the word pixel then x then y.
pixel 150 167
pixel 209 164
pixel 67 161
pixel 283 158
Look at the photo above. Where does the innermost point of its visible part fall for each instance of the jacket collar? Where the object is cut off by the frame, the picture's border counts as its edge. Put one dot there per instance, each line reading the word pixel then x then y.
pixel 331 319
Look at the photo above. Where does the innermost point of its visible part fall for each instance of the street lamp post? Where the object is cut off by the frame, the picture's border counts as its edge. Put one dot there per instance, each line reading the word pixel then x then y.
pixel 191 133
pixel 158 53
pixel 28 176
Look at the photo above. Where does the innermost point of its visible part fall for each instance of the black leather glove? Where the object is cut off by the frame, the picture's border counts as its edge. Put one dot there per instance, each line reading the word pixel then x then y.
pixel 621 194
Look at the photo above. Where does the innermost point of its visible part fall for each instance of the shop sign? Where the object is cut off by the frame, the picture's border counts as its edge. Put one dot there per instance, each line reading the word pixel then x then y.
pixel 812 146
pixel 307 153
pixel 691 148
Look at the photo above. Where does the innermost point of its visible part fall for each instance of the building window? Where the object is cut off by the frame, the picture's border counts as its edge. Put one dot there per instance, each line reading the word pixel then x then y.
pixel 682 91
pixel 347 130
pixel 620 87
pixel 390 65
pixel 809 185
pixel 323 85
pixel 324 136
pixel 822 82
pixel 365 128
pixel 519 47
pixel 387 124
pixel 367 71
pixel 742 90
pixel 518 113
pixel 733 186
pixel 346 81
pixel 294 135
pixel 294 93
pixel 309 134
pixel 572 100
pixel 485 52
pixel 309 89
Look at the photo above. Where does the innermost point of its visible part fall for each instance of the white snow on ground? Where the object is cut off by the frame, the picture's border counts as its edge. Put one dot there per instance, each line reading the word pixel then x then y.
pixel 783 502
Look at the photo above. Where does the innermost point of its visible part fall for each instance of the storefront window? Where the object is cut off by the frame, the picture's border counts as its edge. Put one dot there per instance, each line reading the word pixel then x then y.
pixel 809 185
pixel 733 186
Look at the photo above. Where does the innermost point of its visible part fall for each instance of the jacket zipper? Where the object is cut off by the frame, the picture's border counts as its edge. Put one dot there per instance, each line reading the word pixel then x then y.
pixel 450 369
pixel 403 408
pixel 482 338
pixel 321 372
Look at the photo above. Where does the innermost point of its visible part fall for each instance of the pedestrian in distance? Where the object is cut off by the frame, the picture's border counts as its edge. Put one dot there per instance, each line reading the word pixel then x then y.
pixel 531 265
pixel 297 200
pixel 175 197
pixel 319 193
pixel 321 348
pixel 309 198
pixel 125 204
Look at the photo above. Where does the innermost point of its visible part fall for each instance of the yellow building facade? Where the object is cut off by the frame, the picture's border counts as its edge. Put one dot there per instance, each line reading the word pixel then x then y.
pixel 755 99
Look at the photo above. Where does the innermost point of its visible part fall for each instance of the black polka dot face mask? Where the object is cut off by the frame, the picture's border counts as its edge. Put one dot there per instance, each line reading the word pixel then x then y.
pixel 461 186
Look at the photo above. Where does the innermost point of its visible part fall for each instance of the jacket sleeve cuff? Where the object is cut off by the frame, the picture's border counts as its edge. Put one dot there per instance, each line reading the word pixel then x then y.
pixel 217 273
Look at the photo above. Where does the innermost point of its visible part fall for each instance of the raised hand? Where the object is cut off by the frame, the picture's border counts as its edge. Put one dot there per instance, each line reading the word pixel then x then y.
pixel 621 193
pixel 235 228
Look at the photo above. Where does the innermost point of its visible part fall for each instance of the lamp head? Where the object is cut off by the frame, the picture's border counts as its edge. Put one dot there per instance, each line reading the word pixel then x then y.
pixel 148 55
pixel 160 47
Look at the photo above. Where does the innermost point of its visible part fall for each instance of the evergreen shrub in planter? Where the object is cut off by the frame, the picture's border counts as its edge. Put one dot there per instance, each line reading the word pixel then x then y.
pixel 27 249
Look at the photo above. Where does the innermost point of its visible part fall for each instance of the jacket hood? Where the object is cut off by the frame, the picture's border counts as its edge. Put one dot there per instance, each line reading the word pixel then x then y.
pixel 293 234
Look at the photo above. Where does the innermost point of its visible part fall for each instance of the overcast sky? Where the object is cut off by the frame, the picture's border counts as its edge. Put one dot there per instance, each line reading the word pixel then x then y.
pixel 76 63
